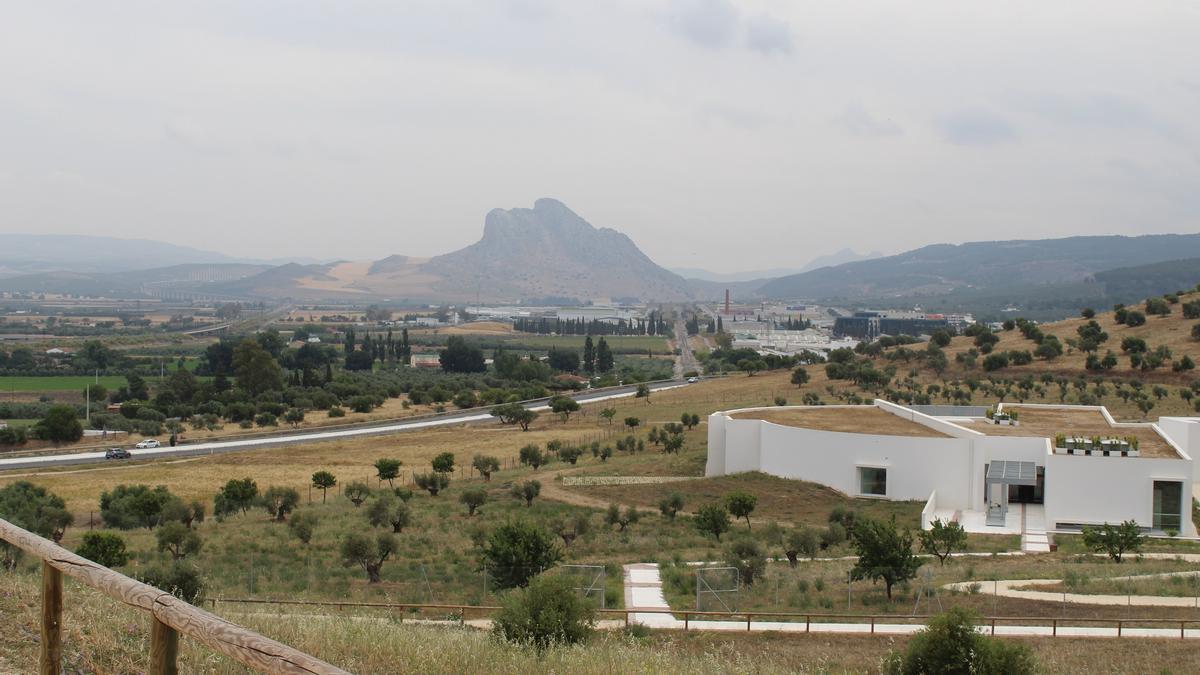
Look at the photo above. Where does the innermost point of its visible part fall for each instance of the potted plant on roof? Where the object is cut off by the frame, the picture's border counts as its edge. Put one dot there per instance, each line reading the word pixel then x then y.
pixel 1060 444
pixel 1134 442
pixel 1014 418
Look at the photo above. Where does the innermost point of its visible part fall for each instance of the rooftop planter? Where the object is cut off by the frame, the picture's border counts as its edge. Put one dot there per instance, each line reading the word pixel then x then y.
pixel 1006 418
pixel 1095 445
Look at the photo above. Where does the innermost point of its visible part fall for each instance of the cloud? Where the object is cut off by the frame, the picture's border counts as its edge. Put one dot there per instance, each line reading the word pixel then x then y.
pixel 976 127
pixel 1110 111
pixel 859 122
pixel 712 24
pixel 768 35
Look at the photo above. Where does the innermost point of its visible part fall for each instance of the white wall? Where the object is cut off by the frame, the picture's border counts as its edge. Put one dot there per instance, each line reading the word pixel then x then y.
pixel 1185 433
pixel 1081 489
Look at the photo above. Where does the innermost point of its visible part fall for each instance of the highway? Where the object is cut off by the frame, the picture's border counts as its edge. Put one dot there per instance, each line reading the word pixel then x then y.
pixel 474 415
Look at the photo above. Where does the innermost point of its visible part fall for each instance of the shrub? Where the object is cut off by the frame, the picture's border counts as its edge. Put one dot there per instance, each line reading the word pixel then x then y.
pixel 1114 540
pixel 950 644
pixel 337 411
pixel 181 580
pixel 432 482
pixel 103 548
pixel 548 612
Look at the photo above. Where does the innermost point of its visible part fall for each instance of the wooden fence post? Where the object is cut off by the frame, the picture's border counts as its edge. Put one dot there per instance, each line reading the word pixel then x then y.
pixel 51 659
pixel 164 648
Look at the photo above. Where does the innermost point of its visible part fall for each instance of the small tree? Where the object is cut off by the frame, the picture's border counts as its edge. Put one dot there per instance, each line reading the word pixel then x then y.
pixel 178 540
pixel 632 422
pixel 942 539
pixel 302 525
pixel 443 463
pixel 388 510
pixel 528 491
pixel 280 501
pixel 670 505
pixel 549 612
pixel 486 465
pixel 368 552
pixel 800 377
pixel 357 492
pixel 609 413
pixel 323 480
pixel 236 495
pixel 884 553
pixel 1114 540
pixel 622 519
pixel 741 505
pixel 532 456
pixel 643 391
pixel 473 498
pixel 387 469
pixel 517 551
pixel 746 555
pixel 572 527
pixel 712 519
pixel 802 540
pixel 525 417
pixel 294 416
pixel 432 482
pixel 103 548
pixel 564 405
pixel 673 444
pixel 570 454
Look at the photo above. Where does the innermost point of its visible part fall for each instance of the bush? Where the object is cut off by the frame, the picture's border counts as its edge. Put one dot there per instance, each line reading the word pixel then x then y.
pixel 950 644
pixel 103 548
pixel 181 580
pixel 336 411
pixel 547 613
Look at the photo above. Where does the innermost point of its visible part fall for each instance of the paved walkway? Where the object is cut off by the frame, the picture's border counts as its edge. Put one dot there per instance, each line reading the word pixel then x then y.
pixel 643 591
pixel 1011 588
pixel 1033 529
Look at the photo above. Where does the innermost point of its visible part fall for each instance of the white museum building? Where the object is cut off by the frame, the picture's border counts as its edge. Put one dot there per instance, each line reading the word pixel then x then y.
pixel 1024 468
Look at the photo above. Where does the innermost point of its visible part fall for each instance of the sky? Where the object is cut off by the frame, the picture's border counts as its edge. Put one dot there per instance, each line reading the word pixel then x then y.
pixel 723 135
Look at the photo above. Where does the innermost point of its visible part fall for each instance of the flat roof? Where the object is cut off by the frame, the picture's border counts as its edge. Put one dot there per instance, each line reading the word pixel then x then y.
pixel 1048 422
pixel 859 419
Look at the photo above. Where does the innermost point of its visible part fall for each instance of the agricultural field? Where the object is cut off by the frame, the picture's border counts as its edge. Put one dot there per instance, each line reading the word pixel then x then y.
pixel 54 383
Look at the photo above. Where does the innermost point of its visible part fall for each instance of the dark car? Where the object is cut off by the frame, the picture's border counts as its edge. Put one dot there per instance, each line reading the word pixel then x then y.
pixel 117 453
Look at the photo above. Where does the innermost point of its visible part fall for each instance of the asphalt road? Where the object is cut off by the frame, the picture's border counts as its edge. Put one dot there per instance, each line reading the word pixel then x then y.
pixel 475 415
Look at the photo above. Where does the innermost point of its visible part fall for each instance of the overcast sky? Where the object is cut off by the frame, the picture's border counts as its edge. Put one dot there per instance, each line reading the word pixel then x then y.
pixel 717 134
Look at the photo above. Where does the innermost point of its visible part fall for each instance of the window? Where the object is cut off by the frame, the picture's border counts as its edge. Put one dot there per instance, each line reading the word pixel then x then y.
pixel 1168 505
pixel 872 481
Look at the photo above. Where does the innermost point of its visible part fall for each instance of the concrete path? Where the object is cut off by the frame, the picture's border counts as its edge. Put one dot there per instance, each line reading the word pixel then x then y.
pixel 1033 529
pixel 1011 588
pixel 643 591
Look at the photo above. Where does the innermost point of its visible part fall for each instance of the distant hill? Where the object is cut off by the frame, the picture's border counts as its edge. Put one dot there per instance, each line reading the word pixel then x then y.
pixel 524 255
pixel 194 278
pixel 28 254
pixel 762 276
pixel 944 268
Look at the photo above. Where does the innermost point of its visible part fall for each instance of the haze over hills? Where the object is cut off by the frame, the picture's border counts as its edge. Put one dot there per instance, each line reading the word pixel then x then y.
pixel 837 258
pixel 23 254
pixel 945 268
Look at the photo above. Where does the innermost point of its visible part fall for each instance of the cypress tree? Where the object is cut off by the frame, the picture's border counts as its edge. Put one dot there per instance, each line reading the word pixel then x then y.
pixel 589 356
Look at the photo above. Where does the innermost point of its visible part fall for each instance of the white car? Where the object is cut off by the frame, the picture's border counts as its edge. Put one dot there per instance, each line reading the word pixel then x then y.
pixel 148 443
pixel 693 380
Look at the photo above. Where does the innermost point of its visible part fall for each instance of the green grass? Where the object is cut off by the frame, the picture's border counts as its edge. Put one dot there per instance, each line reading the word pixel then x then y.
pixel 21 423
pixel 57 382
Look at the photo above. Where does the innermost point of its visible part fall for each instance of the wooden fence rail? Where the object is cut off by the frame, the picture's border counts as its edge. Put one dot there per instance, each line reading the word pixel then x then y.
pixel 171 616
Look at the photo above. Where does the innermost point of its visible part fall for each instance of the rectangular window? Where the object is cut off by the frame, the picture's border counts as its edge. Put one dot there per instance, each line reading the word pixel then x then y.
pixel 1168 505
pixel 872 481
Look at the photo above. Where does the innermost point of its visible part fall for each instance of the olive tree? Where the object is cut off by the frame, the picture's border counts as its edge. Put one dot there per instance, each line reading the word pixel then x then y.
pixel 369 553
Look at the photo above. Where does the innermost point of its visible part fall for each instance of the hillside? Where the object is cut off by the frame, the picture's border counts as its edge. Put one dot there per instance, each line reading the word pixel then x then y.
pixel 989 266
